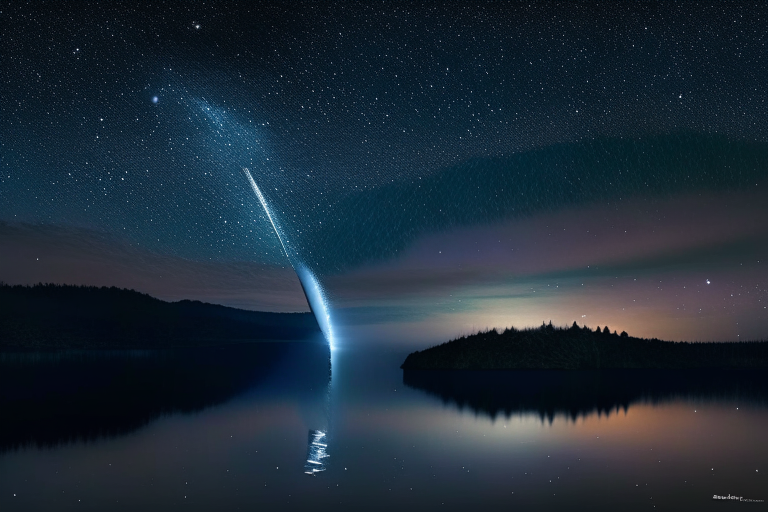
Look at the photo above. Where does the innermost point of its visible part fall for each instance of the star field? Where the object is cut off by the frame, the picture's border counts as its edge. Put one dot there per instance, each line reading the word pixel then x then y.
pixel 370 126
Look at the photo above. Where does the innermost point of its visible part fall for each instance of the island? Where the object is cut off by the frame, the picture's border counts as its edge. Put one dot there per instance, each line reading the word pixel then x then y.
pixel 581 348
pixel 52 317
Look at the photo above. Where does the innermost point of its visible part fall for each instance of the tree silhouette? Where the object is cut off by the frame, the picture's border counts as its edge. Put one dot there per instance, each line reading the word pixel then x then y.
pixel 577 348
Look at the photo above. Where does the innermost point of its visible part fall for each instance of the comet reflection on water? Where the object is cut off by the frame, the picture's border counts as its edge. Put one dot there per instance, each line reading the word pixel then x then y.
pixel 316 452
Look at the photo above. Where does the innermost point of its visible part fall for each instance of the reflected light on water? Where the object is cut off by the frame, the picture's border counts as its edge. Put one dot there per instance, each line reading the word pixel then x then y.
pixel 316 452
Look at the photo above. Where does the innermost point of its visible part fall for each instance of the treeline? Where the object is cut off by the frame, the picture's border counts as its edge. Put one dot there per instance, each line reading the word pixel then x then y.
pixel 549 347
pixel 50 316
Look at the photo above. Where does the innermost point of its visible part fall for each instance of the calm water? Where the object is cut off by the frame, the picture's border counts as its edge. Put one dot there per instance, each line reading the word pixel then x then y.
pixel 267 427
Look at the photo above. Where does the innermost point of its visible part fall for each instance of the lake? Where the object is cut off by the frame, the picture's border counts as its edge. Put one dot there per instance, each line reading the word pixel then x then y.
pixel 292 426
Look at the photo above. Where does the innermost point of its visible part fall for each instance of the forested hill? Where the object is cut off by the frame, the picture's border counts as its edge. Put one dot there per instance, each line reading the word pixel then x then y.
pixel 48 316
pixel 573 348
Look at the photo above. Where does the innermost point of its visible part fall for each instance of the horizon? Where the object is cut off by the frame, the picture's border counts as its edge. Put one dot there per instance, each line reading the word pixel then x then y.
pixel 478 331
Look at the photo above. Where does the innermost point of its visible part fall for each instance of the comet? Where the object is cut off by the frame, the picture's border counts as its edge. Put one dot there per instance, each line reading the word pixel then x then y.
pixel 313 291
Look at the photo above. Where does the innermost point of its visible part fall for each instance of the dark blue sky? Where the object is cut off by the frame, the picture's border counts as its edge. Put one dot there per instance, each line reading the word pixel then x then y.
pixel 414 153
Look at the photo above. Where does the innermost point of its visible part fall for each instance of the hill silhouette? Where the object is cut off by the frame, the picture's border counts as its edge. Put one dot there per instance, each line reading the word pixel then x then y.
pixel 581 348
pixel 49 316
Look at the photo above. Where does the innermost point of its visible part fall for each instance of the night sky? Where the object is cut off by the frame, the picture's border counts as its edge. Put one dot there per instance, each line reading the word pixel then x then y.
pixel 440 167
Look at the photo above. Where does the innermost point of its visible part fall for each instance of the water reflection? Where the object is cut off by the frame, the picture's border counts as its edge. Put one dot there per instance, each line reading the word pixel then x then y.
pixel 316 452
pixel 52 398
pixel 580 393
pixel 393 446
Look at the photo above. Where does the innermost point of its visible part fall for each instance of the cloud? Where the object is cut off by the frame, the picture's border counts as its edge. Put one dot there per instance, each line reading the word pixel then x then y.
pixel 370 226
pixel 641 236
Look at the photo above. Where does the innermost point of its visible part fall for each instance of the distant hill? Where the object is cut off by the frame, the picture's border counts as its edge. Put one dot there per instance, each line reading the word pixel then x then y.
pixel 553 348
pixel 48 316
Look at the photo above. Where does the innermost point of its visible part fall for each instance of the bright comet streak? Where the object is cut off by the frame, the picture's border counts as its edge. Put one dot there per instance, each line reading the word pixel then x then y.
pixel 309 284
pixel 263 202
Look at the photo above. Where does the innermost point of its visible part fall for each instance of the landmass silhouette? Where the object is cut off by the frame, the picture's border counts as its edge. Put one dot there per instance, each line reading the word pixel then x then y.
pixel 50 316
pixel 581 348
